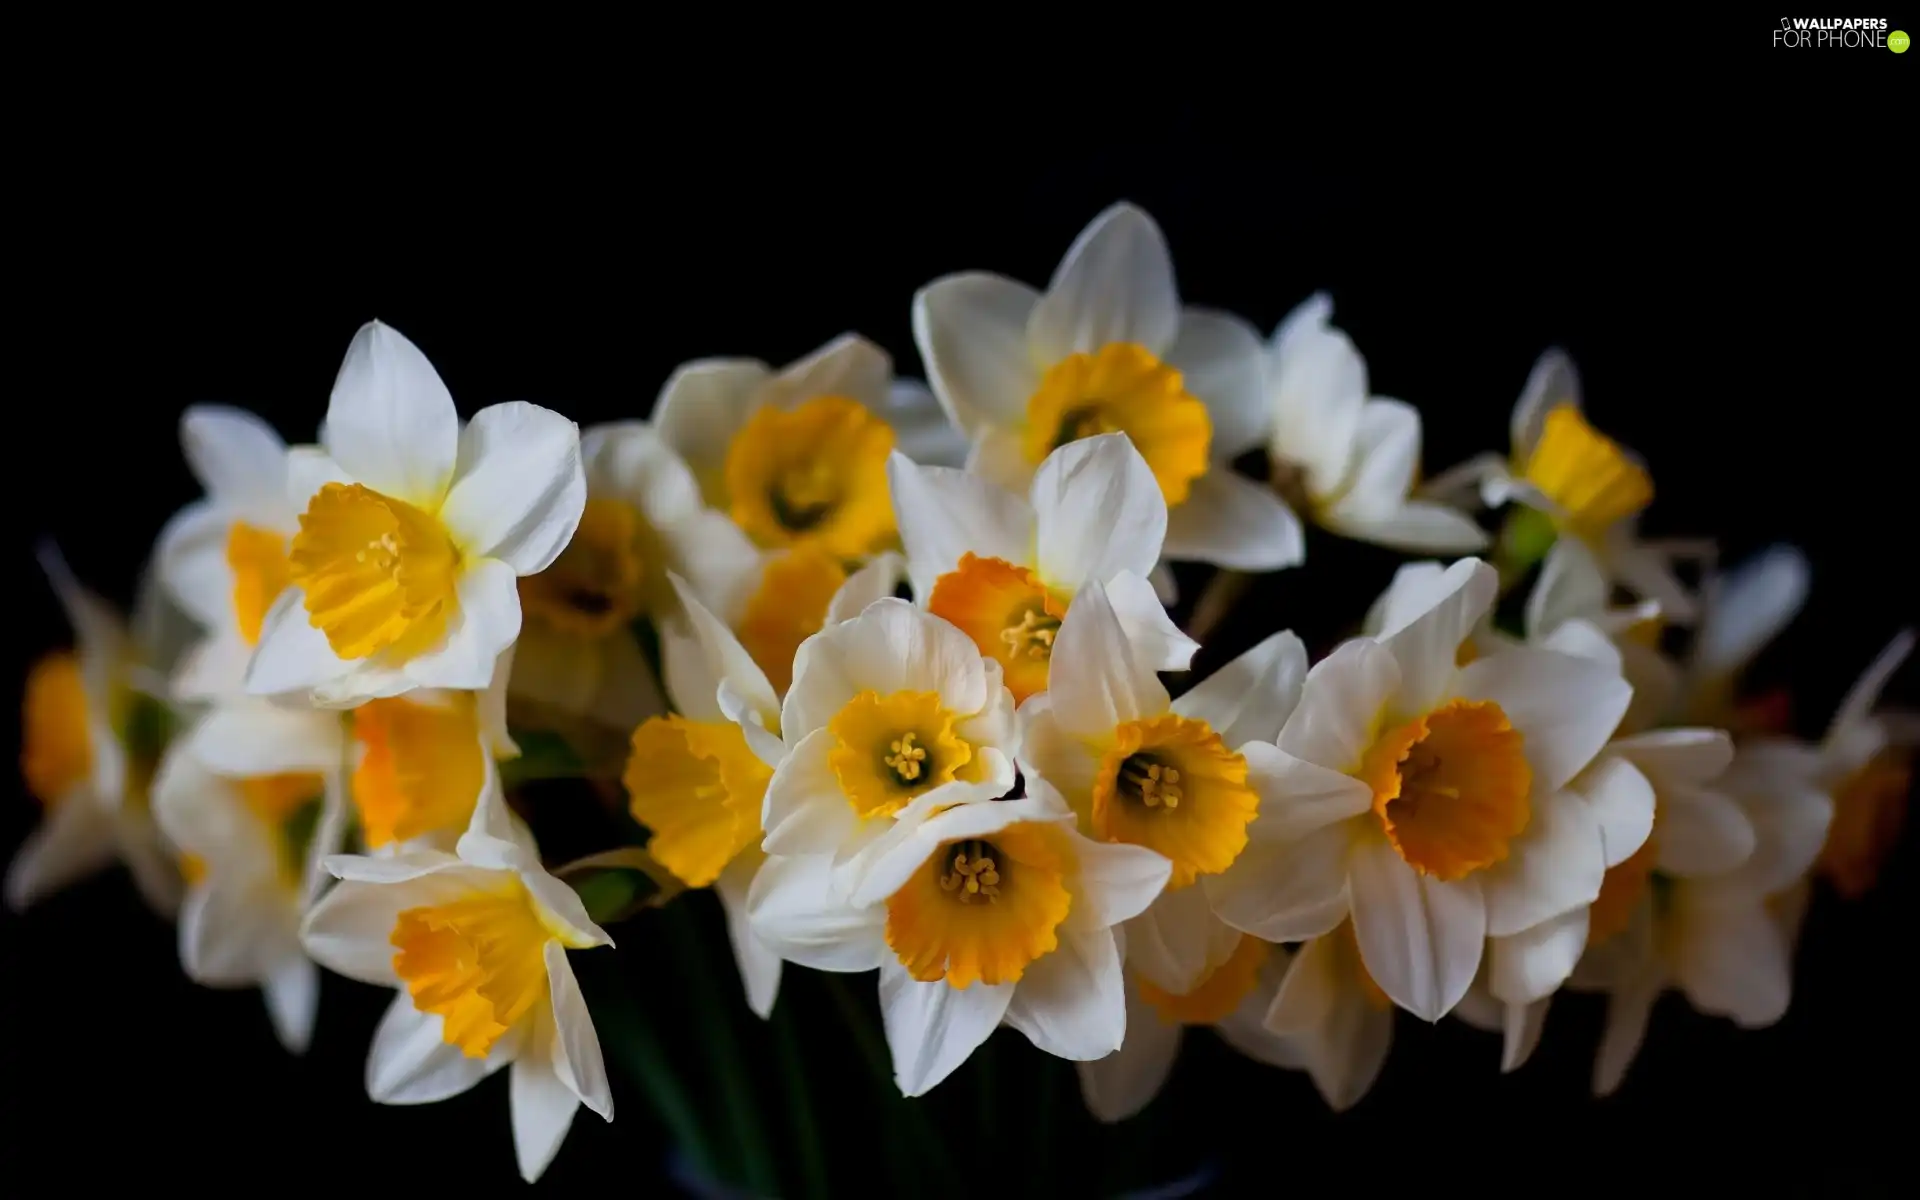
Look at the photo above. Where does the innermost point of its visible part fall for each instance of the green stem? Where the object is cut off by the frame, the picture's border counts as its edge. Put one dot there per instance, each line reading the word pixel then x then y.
pixel 736 1093
pixel 806 1131
pixel 625 1031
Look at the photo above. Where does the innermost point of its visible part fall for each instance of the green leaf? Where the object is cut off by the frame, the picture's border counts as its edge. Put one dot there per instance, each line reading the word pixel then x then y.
pixel 616 884
pixel 543 755
pixel 147 726
pixel 1524 540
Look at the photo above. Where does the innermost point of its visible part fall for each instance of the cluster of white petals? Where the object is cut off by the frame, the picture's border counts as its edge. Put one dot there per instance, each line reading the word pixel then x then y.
pixel 893 667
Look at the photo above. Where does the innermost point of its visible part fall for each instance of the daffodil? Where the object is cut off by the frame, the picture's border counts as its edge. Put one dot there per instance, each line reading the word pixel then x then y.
pixel 1430 801
pixel 252 843
pixel 1714 935
pixel 476 943
pixel 1004 568
pixel 1573 481
pixel 886 708
pixel 223 558
pixel 1329 1019
pixel 975 914
pixel 412 532
pixel 1170 775
pixel 798 457
pixel 1108 348
pixel 644 519
pixel 1344 458
pixel 94 728
pixel 1232 999
pixel 697 778
pixel 1866 766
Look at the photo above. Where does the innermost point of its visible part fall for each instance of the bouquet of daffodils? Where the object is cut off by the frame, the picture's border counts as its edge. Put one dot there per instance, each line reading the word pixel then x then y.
pixel 902 674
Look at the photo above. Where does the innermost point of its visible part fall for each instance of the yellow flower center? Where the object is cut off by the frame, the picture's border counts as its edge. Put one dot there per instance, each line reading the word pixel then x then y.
pixel 983 909
pixel 378 574
pixel 289 806
pixel 815 474
pixel 1586 473
pixel 599 582
pixel 1450 788
pixel 1170 784
pixel 56 742
pixel 258 560
pixel 421 769
pixel 697 786
pixel 1217 994
pixel 1869 807
pixel 889 749
pixel 477 961
pixel 788 607
pixel 1007 612
pixel 1621 890
pixel 1123 388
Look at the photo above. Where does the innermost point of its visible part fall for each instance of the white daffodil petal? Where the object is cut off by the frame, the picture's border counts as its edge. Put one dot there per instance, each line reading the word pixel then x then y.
pixel 292 994
pixel 1319 386
pixel 1178 941
pixel 1386 458
pixel 932 1028
pixel 1702 832
pixel 704 403
pixel 944 514
pixel 934 819
pixel 759 965
pixel 1571 585
pixel 1117 882
pixel 1554 866
pixel 1124 1082
pixel 1222 363
pixel 796 909
pixel 1231 521
pixel 1285 891
pixel 1622 801
pixel 1532 964
pixel 1520 1033
pixel 213 669
pixel 1565 707
pixel 1865 693
pixel 1309 992
pixel 1114 285
pixel 1250 699
pixel 293 654
pixel 1095 679
pixel 239 459
pixel 804 811
pixel 630 461
pixel 310 468
pixel 518 488
pixel 1097 511
pixel 542 1109
pixel 1685 755
pixel 971 330
pixel 391 422
pixel 347 930
pixel 1420 939
pixel 1071 1003
pixel 259 738
pixel 1629 1010
pixel 411 1062
pixel 1583 639
pixel 1148 627
pixel 892 646
pixel 1051 752
pixel 191 556
pixel 1415 527
pixel 1427 647
pixel 921 428
pixel 726 659
pixel 1732 961
pixel 878 580
pixel 849 366
pixel 75 840
pixel 1552 382
pixel 1748 608
pixel 576 1048
pixel 1332 726
pixel 1297 797
pixel 999 457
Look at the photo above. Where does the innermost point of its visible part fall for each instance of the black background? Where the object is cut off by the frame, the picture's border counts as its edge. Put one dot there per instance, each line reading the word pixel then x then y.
pixel 1731 268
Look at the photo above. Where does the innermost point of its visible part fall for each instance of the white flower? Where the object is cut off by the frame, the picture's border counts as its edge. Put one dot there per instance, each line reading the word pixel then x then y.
pixel 1575 482
pixel 1328 1018
pixel 798 457
pixel 1866 765
pixel 1716 936
pixel 887 708
pixel 93 733
pixel 1430 801
pixel 1350 458
pixel 252 842
pixel 1108 348
pixel 1004 568
pixel 223 558
pixel 974 914
pixel 412 532
pixel 476 942
pixel 1232 999
pixel 644 519
pixel 1172 776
